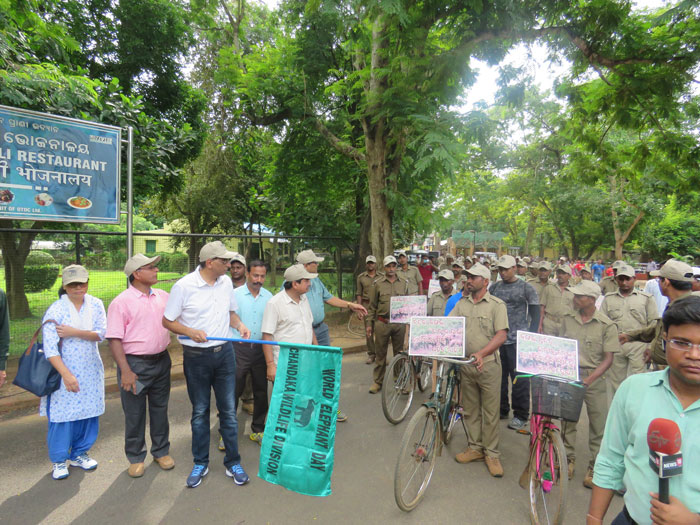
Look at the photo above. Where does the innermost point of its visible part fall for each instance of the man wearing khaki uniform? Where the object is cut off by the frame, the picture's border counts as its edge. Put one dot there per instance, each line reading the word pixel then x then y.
pixel 556 300
pixel 437 301
pixel 609 284
pixel 544 270
pixel 597 341
pixel 675 281
pixel 629 309
pixel 409 273
pixel 384 288
pixel 364 283
pixel 486 329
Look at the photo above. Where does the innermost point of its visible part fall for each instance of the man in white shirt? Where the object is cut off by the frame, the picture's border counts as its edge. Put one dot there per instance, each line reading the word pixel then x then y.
pixel 288 317
pixel 202 305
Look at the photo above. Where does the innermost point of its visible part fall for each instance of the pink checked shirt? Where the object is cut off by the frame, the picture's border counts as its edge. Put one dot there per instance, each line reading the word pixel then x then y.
pixel 137 319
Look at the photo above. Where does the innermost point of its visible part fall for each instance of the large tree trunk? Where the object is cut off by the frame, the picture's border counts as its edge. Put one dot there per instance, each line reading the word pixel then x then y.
pixel 15 249
pixel 616 195
pixel 529 236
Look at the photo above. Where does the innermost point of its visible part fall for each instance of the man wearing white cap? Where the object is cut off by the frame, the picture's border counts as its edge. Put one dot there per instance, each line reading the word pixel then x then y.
pixel 238 267
pixel 630 309
pixel 409 273
pixel 138 342
pixel 675 281
pixel 202 305
pixel 486 329
pixel 385 287
pixel 364 283
pixel 437 301
pixel 597 343
pixel 609 284
pixel 556 300
pixel 288 317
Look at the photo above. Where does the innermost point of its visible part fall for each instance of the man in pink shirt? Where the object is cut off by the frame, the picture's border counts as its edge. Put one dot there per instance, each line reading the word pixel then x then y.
pixel 138 343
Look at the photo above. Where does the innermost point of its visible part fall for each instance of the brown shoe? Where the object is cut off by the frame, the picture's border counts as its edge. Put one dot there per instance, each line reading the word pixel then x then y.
pixel 165 462
pixel 376 387
pixel 248 407
pixel 571 465
pixel 588 478
pixel 469 455
pixel 370 360
pixel 494 466
pixel 136 470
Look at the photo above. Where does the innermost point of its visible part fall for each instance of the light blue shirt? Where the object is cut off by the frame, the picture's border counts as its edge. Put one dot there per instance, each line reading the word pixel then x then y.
pixel 250 310
pixel 318 294
pixel 654 289
pixel 623 460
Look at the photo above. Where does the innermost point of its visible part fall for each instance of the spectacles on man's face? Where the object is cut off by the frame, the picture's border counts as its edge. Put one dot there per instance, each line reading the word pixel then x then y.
pixel 223 261
pixel 149 267
pixel 679 344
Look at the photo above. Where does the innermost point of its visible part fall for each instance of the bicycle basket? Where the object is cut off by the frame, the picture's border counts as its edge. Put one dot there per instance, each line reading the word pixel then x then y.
pixel 556 398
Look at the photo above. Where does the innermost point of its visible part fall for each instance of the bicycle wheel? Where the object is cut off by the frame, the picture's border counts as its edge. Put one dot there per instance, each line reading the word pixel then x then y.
pixel 397 391
pixel 417 455
pixel 425 368
pixel 548 480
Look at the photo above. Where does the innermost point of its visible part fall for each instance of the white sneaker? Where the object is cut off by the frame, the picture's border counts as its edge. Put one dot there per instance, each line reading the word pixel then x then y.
pixel 84 461
pixel 60 471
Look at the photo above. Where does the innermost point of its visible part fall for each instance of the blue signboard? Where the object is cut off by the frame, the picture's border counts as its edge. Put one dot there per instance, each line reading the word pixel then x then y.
pixel 58 169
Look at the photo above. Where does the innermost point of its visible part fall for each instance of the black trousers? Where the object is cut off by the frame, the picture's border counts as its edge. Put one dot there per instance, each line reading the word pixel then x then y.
pixel 154 374
pixel 520 389
pixel 250 359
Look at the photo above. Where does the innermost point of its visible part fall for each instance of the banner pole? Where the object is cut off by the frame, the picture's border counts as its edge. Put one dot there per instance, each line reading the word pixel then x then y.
pixel 130 194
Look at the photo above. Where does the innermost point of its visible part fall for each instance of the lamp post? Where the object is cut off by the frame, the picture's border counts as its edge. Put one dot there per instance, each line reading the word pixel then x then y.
pixel 473 232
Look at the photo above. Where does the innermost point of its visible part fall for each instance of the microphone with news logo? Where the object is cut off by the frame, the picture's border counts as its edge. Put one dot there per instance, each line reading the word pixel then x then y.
pixel 665 457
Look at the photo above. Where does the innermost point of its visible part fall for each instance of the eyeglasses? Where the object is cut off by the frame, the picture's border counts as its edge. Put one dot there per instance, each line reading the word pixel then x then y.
pixel 684 346
pixel 149 267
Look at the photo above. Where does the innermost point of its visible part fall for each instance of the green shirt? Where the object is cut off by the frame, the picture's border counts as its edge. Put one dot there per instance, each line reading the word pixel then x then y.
pixel 623 460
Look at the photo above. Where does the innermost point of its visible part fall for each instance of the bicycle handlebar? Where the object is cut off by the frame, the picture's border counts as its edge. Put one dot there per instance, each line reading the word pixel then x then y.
pixel 469 361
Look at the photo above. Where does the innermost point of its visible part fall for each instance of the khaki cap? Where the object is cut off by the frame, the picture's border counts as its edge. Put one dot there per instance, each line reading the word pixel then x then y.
pixel 308 256
pixel 370 258
pixel 389 259
pixel 138 261
pixel 458 263
pixel 449 256
pixel 215 250
pixel 523 264
pixel 479 270
pixel 544 265
pixel 446 274
pixel 618 264
pixel 399 253
pixel 587 288
pixel 506 261
pixel 626 270
pixel 527 260
pixel 74 274
pixel 468 258
pixel 238 258
pixel 564 268
pixel 675 270
pixel 587 268
pixel 297 272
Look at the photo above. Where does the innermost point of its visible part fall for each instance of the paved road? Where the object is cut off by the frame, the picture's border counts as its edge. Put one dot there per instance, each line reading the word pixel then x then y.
pixel 362 480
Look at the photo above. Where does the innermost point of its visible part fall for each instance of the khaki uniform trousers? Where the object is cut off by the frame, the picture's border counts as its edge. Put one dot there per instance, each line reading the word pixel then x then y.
pixel 383 333
pixel 481 400
pixel 596 401
pixel 628 362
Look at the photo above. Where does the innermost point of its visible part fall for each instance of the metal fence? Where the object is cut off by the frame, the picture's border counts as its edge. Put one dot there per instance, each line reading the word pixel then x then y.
pixel 104 255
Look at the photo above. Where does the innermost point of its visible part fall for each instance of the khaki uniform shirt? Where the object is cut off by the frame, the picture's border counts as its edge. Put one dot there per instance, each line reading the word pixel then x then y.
pixel 632 312
pixel 595 337
pixel 557 303
pixel 482 319
pixel 608 285
pixel 437 303
pixel 653 333
pixel 413 276
pixel 364 283
pixel 380 296
pixel 538 286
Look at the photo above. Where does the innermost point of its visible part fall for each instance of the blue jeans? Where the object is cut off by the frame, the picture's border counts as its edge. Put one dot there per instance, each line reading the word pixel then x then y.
pixel 206 369
pixel 323 335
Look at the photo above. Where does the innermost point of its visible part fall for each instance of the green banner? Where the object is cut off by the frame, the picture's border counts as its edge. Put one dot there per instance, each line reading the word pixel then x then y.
pixel 297 450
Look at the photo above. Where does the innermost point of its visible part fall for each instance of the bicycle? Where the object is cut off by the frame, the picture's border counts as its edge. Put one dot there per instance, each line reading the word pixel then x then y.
pixel 429 429
pixel 546 474
pixel 400 378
